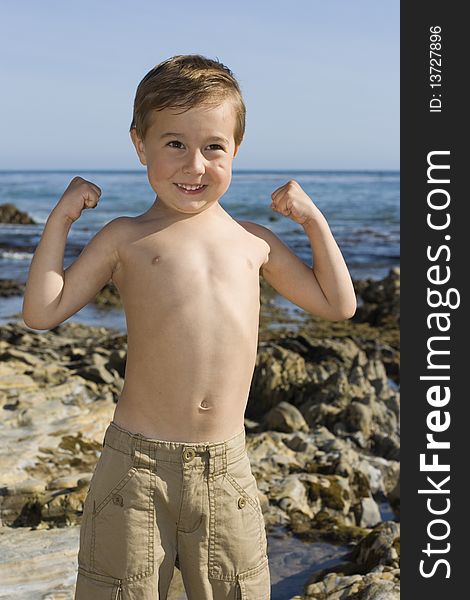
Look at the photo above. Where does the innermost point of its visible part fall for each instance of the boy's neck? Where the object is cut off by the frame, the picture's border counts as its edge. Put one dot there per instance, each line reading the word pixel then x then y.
pixel 160 210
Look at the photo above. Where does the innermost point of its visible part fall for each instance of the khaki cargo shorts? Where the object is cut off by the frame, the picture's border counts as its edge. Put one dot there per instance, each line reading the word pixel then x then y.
pixel 153 504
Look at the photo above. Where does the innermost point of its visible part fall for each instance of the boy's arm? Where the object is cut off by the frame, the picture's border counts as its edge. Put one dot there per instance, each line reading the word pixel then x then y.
pixel 326 289
pixel 53 294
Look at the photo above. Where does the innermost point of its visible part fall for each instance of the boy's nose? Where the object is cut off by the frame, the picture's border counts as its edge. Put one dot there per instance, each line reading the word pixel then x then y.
pixel 194 165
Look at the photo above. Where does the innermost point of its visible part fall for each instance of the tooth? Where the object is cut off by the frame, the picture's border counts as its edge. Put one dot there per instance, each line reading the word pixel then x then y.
pixel 191 187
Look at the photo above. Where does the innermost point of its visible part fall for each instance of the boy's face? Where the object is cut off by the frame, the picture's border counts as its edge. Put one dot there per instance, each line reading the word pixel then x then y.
pixel 190 148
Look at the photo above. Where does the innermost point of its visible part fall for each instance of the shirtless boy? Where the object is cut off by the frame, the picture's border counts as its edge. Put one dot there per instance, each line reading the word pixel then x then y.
pixel 173 483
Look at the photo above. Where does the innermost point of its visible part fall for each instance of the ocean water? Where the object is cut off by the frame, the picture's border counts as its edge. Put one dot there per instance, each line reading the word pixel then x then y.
pixel 361 207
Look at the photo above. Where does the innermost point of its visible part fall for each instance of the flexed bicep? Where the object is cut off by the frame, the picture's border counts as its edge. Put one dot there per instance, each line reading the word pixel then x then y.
pixel 90 271
pixel 290 276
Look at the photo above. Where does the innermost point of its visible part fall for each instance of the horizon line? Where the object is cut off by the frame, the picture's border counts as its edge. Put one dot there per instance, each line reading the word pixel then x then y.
pixel 269 170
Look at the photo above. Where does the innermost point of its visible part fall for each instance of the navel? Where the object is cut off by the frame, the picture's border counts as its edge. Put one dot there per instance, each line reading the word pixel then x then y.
pixel 204 404
pixel 155 260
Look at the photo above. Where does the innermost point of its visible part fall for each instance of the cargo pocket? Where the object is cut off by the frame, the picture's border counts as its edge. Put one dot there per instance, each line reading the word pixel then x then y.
pixel 84 550
pixel 237 535
pixel 90 586
pixel 118 525
pixel 255 584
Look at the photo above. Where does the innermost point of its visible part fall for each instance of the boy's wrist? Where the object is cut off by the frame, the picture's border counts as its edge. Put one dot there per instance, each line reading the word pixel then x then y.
pixel 57 216
pixel 316 218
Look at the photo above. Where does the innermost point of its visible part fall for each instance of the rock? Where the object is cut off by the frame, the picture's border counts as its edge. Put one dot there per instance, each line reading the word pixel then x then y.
pixel 325 527
pixel 387 446
pixel 374 586
pixel 360 387
pixel 279 375
pixel 370 513
pixel 298 443
pixel 10 214
pixel 394 498
pixel 381 300
pixel 26 486
pixel 97 373
pixel 331 382
pixel 328 491
pixel 117 361
pixel 295 497
pixel 380 547
pixel 285 417
pixel 10 287
pixel 108 296
pixel 371 572
pixel 358 417
pixel 63 482
pixel 42 563
pixel 15 354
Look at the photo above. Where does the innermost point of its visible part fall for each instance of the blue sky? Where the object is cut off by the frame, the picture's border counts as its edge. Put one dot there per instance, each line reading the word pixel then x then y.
pixel 320 79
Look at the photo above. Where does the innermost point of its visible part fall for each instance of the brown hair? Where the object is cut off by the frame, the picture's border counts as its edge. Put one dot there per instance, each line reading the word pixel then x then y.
pixel 186 81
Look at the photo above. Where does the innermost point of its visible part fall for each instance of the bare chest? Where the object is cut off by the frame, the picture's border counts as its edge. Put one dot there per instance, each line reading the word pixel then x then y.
pixel 179 267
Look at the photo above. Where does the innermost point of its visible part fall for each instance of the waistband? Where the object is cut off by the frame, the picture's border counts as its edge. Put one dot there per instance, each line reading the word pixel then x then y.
pixel 147 451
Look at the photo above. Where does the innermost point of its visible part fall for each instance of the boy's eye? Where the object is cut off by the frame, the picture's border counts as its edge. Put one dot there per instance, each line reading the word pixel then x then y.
pixel 176 144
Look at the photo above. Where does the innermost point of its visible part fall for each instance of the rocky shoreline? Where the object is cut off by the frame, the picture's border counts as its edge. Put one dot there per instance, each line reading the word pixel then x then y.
pixel 322 425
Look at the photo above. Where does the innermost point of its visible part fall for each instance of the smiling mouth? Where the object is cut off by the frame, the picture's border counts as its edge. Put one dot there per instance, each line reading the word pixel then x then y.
pixel 190 189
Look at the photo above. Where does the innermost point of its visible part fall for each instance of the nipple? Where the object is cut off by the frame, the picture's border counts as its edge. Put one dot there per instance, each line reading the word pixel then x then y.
pixel 155 260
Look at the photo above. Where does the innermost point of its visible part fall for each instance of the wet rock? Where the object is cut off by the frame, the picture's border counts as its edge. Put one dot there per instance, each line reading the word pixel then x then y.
pixel 334 391
pixel 371 572
pixel 380 547
pixel 380 300
pixel 374 586
pixel 10 214
pixel 325 527
pixel 10 287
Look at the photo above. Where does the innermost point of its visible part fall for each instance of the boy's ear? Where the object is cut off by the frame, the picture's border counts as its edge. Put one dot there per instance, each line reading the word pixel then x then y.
pixel 236 150
pixel 139 146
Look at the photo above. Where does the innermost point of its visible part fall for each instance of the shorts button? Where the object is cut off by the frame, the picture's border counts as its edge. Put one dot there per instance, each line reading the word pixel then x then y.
pixel 241 502
pixel 117 499
pixel 188 454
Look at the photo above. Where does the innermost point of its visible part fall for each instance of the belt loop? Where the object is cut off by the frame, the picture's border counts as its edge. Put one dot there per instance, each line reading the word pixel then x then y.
pixel 211 465
pixel 139 457
pixel 220 459
pixel 153 456
pixel 224 458
pixel 133 452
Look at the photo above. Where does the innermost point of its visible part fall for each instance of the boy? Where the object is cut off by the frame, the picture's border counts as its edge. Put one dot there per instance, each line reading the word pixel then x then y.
pixel 173 484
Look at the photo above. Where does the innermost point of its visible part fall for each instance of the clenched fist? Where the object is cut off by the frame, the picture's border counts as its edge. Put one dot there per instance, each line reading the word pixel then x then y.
pixel 291 201
pixel 80 194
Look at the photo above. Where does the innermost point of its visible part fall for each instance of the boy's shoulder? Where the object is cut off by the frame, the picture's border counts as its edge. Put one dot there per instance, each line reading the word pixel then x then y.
pixel 258 230
pixel 251 227
pixel 117 227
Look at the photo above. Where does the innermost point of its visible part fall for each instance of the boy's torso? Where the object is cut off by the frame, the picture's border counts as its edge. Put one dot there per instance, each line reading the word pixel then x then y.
pixel 190 292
